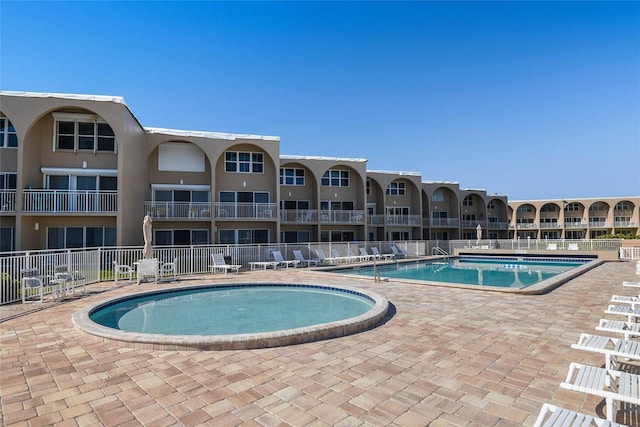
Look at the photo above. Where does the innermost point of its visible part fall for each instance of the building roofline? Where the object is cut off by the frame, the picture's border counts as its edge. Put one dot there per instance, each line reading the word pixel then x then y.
pixel 401 173
pixel 574 199
pixel 341 159
pixel 211 135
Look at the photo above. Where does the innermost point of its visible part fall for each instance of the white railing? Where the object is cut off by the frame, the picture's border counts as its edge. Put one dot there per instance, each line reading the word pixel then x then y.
pixel 411 220
pixel 66 201
pixel 7 200
pixel 299 215
pixel 340 216
pixel 178 210
pixel 231 210
pixel 445 222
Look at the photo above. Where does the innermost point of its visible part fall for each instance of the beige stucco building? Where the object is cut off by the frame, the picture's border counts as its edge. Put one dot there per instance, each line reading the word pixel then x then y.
pixel 82 171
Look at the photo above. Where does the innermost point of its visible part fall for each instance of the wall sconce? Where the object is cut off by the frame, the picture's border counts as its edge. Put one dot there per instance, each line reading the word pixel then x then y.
pixel 181 181
pixel 335 195
pixel 36 226
pixel 244 183
pixel 289 193
pixel 84 164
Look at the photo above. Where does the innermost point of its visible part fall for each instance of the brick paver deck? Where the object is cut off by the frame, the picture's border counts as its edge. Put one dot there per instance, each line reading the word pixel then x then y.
pixel 444 357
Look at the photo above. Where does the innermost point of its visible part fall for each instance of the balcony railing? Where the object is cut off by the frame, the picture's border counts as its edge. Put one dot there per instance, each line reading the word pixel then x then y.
pixel 497 225
pixel 70 201
pixel 547 225
pixel 178 210
pixel 230 210
pixel 411 220
pixel 598 224
pixel 527 226
pixel 575 225
pixel 299 216
pixel 620 224
pixel 7 200
pixel 337 216
pixel 445 222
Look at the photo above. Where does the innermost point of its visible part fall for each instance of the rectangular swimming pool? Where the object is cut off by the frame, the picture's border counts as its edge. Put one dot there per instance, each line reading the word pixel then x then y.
pixel 502 272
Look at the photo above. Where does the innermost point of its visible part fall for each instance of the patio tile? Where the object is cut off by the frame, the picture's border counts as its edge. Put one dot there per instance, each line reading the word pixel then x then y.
pixel 449 357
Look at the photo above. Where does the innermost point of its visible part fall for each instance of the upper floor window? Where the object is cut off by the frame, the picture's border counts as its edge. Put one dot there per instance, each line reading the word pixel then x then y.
pixel 468 201
pixel 622 206
pixel 437 196
pixel 491 205
pixel 82 132
pixel 525 208
pixel 336 178
pixel 396 189
pixel 549 207
pixel 598 206
pixel 8 137
pixel 572 207
pixel 243 162
pixel 291 176
pixel 8 180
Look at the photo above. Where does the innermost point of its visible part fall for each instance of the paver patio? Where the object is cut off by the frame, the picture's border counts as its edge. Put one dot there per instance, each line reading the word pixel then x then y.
pixel 444 357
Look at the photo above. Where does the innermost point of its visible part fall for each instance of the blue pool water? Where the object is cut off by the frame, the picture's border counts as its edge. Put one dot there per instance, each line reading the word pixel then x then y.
pixel 503 273
pixel 224 310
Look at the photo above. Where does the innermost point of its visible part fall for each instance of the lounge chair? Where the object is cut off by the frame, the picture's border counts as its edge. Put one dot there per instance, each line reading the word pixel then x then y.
pixel 629 330
pixel 168 269
pixel 339 258
pixel 122 270
pixel 552 247
pixel 555 416
pixel 277 255
pixel 147 268
pixel 299 257
pixel 397 253
pixel 254 265
pixel 613 386
pixel 611 348
pixel 219 264
pixel 632 313
pixel 32 280
pixel 379 255
pixel 626 299
pixel 323 259
pixel 573 247
pixel 364 255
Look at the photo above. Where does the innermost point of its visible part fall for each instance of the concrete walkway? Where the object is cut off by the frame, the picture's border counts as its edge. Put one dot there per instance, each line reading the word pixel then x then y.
pixel 444 357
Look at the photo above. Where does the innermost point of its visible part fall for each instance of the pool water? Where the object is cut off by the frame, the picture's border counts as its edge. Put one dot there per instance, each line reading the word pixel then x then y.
pixel 232 310
pixel 502 273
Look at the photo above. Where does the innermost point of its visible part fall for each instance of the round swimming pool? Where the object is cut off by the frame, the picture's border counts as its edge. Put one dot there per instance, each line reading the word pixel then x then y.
pixel 239 316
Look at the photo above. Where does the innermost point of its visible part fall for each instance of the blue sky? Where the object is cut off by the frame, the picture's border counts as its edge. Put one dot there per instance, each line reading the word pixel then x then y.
pixel 525 99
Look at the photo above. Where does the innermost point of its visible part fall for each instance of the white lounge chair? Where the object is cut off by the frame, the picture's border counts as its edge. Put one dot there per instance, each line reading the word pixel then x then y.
pixel 552 247
pixel 277 256
pixel 340 258
pixel 555 416
pixel 379 255
pixel 632 313
pixel 299 257
pixel 629 330
pixel 626 299
pixel 613 386
pixel 147 268
pixel 397 253
pixel 219 264
pixel 573 247
pixel 122 270
pixel 254 265
pixel 168 269
pixel 323 259
pixel 364 255
pixel 611 348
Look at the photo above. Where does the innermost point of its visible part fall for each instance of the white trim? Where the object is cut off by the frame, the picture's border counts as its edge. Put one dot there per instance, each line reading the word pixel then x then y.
pixel 75 116
pixel 78 171
pixel 180 187
pixel 210 135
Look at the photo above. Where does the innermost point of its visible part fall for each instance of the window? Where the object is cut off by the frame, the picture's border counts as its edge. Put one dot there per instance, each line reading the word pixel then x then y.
pixel 337 236
pixel 525 208
pixel 336 206
pixel 468 201
pixel 82 132
pixel 368 187
pixel 7 239
pixel 396 189
pixel 237 237
pixel 572 207
pixel 549 207
pixel 171 195
pixel 294 204
pixel 181 237
pixel 437 196
pixel 291 176
pixel 295 236
pixel 243 162
pixel 8 137
pixel 491 205
pixel 80 237
pixel 335 178
pixel 622 206
pixel 8 180
pixel 599 206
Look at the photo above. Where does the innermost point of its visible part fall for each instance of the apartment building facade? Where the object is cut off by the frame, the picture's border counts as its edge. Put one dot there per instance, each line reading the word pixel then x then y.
pixel 81 171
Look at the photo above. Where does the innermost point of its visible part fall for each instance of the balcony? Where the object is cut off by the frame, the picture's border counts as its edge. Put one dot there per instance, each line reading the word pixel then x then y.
pixel 548 225
pixel 231 210
pixel 598 224
pixel 7 201
pixel 574 225
pixel 497 225
pixel 342 217
pixel 622 224
pixel 403 220
pixel 526 226
pixel 178 210
pixel 70 201
pixel 445 222
pixel 298 216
